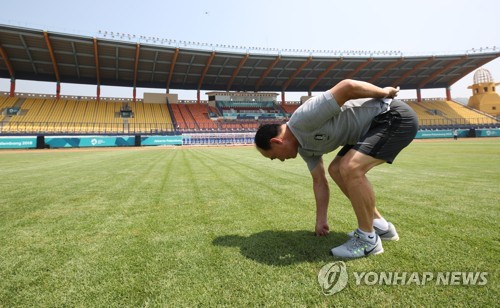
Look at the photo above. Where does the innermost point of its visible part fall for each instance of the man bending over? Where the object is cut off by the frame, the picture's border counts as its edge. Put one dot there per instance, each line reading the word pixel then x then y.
pixel 372 131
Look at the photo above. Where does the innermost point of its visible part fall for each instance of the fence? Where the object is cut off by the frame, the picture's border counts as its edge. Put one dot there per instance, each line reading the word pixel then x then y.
pixel 458 123
pixel 57 128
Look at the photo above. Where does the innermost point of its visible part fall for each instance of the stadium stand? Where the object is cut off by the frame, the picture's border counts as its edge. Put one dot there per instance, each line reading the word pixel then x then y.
pixel 5 104
pixel 74 116
pixel 200 113
pixel 148 118
pixel 41 114
pixel 439 113
pixel 178 117
pixel 188 117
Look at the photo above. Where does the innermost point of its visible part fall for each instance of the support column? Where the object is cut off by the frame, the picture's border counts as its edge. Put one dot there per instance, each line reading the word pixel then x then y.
pixel 98 92
pixel 134 94
pixel 448 94
pixel 198 96
pixel 309 93
pixel 58 90
pixel 282 97
pixel 12 87
pixel 419 95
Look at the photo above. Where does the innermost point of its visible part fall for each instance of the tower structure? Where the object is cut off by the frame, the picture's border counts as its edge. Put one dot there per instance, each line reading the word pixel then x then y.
pixel 484 96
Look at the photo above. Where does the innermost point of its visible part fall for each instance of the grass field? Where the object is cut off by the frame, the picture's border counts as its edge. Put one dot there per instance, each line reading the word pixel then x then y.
pixel 223 226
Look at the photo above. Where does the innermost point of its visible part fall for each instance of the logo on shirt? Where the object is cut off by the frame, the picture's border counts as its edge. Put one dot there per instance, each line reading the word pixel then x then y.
pixel 321 137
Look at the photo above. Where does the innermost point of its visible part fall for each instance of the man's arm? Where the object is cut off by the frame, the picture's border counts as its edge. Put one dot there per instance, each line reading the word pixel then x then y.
pixel 352 89
pixel 322 196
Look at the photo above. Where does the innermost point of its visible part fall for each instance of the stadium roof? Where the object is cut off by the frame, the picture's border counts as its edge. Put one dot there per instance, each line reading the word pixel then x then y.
pixel 38 55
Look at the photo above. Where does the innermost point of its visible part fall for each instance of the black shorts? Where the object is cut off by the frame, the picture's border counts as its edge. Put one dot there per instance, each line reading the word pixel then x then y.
pixel 389 133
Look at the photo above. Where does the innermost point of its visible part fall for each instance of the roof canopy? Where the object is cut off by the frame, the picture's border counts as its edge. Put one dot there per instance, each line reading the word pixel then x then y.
pixel 45 56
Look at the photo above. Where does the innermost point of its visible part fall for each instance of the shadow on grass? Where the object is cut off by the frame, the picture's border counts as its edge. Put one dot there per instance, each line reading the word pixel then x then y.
pixel 284 248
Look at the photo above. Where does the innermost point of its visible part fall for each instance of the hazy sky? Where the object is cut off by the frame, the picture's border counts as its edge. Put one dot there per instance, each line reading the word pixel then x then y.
pixel 413 27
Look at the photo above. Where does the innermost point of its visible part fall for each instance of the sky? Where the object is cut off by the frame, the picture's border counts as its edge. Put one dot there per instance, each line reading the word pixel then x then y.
pixel 412 27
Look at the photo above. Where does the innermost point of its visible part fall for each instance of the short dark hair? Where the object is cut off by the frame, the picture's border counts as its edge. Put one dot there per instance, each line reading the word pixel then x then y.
pixel 264 135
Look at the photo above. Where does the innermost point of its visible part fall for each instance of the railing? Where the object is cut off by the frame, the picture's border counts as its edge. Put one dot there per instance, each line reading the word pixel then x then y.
pixel 458 122
pixel 54 128
pixel 57 128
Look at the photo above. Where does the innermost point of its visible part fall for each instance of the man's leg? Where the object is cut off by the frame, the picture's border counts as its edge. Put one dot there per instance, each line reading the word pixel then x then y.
pixel 389 133
pixel 352 168
pixel 349 173
pixel 334 171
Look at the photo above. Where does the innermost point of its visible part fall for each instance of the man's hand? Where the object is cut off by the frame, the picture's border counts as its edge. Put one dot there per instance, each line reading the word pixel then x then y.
pixel 391 92
pixel 322 229
pixel 348 89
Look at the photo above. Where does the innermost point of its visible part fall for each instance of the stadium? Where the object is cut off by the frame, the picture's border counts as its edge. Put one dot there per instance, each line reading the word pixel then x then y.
pixel 243 89
pixel 156 201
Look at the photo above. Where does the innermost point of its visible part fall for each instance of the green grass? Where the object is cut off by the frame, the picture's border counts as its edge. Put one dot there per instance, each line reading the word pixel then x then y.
pixel 223 226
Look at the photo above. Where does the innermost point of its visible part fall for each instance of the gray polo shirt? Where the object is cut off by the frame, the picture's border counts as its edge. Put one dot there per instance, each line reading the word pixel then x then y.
pixel 321 126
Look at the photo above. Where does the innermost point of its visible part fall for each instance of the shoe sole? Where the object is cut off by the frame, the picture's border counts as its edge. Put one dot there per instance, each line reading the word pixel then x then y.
pixel 347 258
pixel 376 253
pixel 373 253
pixel 394 238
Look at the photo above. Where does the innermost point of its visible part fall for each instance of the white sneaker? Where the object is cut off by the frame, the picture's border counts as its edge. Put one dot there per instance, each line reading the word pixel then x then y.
pixel 386 235
pixel 356 247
